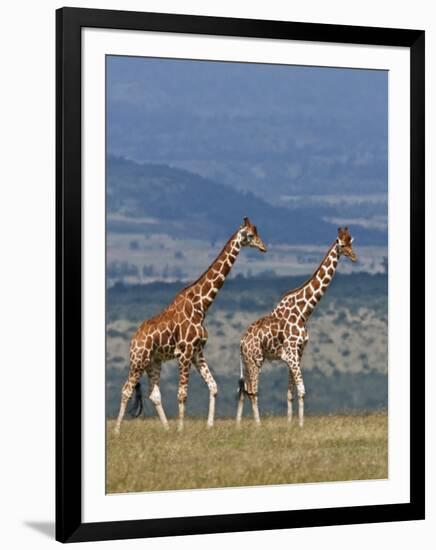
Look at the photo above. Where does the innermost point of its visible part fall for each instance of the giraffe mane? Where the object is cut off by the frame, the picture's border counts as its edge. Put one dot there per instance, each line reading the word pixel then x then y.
pixel 190 285
pixel 307 281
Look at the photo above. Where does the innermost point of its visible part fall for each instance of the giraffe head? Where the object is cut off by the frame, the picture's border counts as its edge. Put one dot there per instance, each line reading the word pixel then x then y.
pixel 249 237
pixel 345 241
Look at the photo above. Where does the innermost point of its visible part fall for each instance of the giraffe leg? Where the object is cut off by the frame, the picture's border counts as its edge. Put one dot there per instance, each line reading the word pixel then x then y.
pixel 301 393
pixel 252 390
pixel 291 387
pixel 255 406
pixel 251 375
pixel 135 373
pixel 292 357
pixel 250 368
pixel 205 373
pixel 153 372
pixel 182 394
pixel 299 383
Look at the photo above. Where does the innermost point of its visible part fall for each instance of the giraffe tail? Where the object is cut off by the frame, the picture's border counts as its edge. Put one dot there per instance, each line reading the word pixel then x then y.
pixel 137 406
pixel 241 385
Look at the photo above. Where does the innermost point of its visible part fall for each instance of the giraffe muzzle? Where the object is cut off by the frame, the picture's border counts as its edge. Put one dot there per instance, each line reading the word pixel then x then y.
pixel 261 247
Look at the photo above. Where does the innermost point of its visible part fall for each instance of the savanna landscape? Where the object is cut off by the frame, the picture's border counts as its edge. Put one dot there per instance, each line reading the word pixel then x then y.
pixel 300 151
pixel 345 372
pixel 344 365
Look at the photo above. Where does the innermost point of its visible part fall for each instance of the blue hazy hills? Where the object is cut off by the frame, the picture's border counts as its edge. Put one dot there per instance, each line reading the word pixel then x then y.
pixel 186 205
pixel 272 130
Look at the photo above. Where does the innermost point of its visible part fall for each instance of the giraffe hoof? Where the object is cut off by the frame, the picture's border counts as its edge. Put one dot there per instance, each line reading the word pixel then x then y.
pixel 117 432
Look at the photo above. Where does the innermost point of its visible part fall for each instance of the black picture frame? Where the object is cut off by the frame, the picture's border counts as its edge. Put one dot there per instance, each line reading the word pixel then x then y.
pixel 69 22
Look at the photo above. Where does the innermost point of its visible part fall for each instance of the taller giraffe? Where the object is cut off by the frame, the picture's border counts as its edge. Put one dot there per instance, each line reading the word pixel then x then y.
pixel 178 332
pixel 283 335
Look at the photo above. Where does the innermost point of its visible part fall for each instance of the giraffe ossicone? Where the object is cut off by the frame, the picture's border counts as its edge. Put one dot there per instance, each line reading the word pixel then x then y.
pixel 282 334
pixel 178 332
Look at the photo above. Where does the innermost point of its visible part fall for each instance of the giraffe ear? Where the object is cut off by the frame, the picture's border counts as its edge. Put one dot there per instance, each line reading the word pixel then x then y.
pixel 246 220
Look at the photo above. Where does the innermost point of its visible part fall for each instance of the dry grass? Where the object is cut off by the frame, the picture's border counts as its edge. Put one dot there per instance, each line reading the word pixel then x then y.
pixel 328 448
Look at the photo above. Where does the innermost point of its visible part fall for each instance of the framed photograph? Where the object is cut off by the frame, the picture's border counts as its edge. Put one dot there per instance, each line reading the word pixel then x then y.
pixel 240 274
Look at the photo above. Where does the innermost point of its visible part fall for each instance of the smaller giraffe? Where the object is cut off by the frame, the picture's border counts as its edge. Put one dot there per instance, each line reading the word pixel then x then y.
pixel 178 332
pixel 283 335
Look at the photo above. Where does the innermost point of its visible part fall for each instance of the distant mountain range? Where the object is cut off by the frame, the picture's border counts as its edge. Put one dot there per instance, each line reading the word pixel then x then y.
pixel 298 130
pixel 155 198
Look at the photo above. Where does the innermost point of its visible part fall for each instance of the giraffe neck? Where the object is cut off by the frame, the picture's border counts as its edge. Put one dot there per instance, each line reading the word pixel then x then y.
pixel 308 295
pixel 207 286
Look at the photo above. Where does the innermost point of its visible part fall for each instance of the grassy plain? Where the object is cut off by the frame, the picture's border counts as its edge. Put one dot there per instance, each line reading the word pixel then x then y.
pixel 328 448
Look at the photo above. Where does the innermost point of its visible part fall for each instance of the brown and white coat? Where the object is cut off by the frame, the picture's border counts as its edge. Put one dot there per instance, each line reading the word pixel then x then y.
pixel 178 332
pixel 282 334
